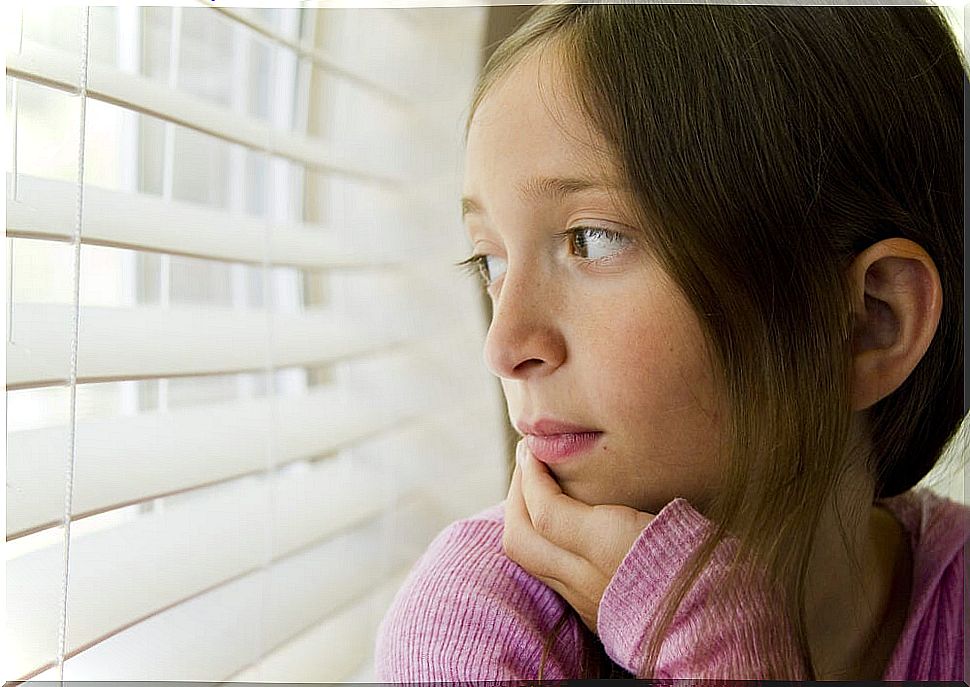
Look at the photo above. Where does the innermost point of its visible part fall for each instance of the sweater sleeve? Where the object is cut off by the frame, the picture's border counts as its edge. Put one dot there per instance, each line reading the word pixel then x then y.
pixel 698 643
pixel 467 612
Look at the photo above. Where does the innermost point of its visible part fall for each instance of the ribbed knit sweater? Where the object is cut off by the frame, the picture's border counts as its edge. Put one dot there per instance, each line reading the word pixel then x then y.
pixel 467 612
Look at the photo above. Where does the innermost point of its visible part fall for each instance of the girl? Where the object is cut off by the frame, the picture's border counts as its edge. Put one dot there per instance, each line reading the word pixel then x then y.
pixel 724 251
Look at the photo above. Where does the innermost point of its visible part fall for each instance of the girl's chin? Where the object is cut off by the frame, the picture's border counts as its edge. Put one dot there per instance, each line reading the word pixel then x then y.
pixel 602 495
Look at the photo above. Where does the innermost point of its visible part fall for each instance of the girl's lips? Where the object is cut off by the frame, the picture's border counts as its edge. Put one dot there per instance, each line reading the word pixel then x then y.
pixel 556 448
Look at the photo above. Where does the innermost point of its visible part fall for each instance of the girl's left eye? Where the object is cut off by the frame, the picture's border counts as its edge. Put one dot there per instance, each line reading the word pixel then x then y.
pixel 590 244
pixel 595 243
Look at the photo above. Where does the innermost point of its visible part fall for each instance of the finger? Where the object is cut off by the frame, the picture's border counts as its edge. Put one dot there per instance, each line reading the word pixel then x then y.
pixel 526 547
pixel 568 523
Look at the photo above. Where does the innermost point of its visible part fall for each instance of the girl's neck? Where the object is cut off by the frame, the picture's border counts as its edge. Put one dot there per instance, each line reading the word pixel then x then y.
pixel 855 615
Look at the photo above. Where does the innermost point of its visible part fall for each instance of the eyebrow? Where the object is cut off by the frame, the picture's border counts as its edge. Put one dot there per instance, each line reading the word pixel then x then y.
pixel 538 188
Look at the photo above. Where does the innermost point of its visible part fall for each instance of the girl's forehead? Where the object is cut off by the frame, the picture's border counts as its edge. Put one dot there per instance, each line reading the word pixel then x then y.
pixel 539 77
pixel 530 116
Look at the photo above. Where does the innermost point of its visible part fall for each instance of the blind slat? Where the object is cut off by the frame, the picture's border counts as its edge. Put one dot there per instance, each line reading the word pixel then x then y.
pixel 45 208
pixel 59 69
pixel 145 342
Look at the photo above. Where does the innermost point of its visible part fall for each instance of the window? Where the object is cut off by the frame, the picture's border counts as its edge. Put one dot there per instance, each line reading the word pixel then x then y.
pixel 238 355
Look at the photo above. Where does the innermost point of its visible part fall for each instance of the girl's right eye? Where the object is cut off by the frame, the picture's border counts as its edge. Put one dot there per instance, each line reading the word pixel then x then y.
pixel 488 267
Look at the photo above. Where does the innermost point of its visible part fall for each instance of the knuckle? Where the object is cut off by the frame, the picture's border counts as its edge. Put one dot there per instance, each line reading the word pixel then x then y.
pixel 544 520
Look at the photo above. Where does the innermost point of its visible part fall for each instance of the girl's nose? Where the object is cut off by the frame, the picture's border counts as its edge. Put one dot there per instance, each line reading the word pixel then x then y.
pixel 525 338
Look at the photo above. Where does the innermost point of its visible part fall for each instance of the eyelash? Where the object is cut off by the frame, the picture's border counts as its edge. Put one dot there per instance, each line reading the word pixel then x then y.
pixel 475 264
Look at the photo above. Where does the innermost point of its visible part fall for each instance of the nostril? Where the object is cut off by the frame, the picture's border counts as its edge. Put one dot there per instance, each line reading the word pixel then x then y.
pixel 528 365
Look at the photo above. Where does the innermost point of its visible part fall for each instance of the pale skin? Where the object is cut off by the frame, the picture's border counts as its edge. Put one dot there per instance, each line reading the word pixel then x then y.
pixel 606 340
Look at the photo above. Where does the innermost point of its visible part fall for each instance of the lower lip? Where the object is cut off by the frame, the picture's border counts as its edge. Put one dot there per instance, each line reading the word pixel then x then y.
pixel 555 448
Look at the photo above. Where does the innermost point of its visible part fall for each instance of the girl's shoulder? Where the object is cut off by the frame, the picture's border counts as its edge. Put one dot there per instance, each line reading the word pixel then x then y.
pixel 938 530
pixel 937 526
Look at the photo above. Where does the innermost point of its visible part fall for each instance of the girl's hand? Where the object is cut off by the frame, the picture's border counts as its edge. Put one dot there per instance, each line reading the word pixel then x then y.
pixel 573 548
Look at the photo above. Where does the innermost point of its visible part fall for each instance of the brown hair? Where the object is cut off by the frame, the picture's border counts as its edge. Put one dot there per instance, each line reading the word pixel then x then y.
pixel 767 146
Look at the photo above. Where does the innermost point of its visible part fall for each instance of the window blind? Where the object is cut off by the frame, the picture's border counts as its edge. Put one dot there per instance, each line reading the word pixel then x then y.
pixel 244 383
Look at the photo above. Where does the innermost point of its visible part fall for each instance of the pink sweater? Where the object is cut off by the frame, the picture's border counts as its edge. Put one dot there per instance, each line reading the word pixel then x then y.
pixel 467 612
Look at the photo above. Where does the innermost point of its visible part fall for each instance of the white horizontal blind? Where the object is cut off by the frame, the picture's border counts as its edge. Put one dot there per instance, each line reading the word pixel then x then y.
pixel 277 396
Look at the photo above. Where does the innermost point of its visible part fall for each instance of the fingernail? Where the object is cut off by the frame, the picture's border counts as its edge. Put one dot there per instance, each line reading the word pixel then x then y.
pixel 520 452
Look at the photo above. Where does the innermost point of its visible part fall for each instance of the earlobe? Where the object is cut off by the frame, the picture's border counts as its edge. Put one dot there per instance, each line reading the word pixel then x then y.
pixel 896 304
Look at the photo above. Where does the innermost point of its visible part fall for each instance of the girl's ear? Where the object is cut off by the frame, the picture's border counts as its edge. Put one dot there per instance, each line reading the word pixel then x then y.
pixel 896 304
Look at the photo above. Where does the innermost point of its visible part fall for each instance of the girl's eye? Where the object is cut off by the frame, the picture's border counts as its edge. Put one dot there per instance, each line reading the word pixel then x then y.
pixel 488 267
pixel 587 243
pixel 595 243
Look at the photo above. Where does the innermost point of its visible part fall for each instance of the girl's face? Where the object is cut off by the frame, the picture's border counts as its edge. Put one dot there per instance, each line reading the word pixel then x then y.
pixel 592 341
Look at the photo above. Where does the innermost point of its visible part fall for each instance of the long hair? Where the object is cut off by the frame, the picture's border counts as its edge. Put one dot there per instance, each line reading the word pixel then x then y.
pixel 766 147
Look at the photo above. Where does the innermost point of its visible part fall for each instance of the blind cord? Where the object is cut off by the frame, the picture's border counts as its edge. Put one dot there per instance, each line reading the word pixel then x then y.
pixel 269 476
pixel 168 186
pixel 75 323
